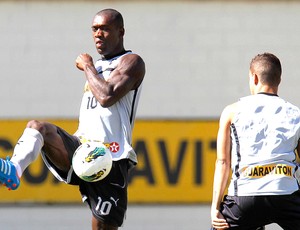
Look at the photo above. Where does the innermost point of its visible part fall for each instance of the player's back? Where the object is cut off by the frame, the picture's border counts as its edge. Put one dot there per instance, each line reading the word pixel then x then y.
pixel 265 132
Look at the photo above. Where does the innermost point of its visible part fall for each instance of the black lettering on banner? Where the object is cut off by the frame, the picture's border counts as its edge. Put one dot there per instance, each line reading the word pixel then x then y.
pixel 39 178
pixel 92 103
pixel 5 144
pixel 172 174
pixel 198 162
pixel 142 153
pixel 213 145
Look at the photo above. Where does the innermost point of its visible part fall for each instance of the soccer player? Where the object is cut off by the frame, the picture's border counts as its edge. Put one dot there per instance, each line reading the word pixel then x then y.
pixel 107 114
pixel 258 138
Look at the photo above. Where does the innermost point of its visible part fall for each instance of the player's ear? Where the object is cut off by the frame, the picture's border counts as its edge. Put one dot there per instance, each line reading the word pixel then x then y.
pixel 255 79
pixel 122 31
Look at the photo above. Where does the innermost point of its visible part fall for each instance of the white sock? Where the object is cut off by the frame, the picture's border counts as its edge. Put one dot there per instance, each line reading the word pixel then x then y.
pixel 27 149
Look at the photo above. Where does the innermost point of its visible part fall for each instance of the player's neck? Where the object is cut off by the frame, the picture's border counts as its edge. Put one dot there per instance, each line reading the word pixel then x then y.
pixel 116 53
pixel 267 90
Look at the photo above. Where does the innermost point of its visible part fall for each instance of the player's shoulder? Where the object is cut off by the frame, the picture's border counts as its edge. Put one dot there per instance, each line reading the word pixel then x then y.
pixel 228 112
pixel 133 60
pixel 131 56
pixel 230 108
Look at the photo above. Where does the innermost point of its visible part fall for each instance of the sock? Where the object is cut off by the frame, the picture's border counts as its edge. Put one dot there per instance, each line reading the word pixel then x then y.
pixel 27 149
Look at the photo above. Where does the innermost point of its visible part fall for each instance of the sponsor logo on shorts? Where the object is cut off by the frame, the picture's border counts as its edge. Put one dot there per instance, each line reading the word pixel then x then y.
pixel 259 171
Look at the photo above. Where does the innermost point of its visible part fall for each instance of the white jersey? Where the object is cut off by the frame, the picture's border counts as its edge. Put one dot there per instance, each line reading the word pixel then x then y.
pixel 265 131
pixel 113 125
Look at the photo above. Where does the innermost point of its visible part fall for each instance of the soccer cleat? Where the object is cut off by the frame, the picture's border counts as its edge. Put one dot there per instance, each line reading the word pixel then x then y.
pixel 8 174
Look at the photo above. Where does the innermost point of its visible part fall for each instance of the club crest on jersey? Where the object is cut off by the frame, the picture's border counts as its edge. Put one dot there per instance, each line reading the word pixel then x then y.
pixel 113 146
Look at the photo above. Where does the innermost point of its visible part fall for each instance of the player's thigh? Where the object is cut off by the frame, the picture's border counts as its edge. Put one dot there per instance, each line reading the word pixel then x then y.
pixel 58 146
pixel 287 208
pixel 242 213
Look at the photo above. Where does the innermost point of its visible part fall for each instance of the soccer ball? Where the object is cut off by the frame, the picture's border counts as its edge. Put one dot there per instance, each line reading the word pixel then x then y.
pixel 92 161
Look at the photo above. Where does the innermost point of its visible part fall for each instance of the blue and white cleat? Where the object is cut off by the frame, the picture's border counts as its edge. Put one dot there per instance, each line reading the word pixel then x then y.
pixel 8 174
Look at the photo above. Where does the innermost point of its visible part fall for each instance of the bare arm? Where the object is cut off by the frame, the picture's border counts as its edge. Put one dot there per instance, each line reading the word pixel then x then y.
pixel 127 76
pixel 298 151
pixel 222 168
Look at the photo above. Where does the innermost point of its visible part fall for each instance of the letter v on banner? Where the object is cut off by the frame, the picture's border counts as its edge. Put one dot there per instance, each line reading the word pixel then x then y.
pixel 175 161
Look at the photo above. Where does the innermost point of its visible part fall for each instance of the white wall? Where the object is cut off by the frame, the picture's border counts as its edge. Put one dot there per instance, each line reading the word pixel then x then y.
pixel 197 53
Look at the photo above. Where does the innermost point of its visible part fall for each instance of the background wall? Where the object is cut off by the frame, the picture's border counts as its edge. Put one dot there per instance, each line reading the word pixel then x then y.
pixel 197 53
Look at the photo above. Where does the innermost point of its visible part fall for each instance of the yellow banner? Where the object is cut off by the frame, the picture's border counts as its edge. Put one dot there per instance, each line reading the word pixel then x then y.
pixel 176 164
pixel 176 161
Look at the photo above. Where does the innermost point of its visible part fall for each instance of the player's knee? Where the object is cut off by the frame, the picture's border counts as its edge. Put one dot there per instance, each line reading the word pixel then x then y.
pixel 39 126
